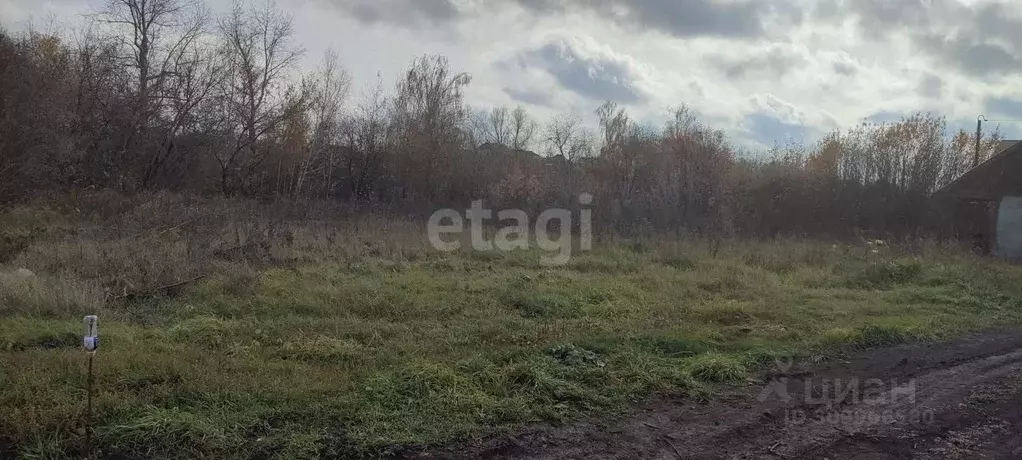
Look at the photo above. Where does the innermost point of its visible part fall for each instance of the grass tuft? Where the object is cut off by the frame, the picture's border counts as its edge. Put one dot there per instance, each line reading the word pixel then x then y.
pixel 888 274
pixel 716 368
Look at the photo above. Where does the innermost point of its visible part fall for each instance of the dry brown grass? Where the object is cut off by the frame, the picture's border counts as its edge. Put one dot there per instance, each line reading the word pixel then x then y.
pixel 126 247
pixel 47 296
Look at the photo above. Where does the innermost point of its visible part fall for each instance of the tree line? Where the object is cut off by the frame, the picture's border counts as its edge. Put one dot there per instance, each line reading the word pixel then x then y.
pixel 163 95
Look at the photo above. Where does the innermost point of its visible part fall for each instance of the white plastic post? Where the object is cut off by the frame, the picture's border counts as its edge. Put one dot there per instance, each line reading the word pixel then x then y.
pixel 90 342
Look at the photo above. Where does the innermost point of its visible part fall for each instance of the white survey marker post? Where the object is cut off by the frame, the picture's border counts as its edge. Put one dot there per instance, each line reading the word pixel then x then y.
pixel 91 339
pixel 90 342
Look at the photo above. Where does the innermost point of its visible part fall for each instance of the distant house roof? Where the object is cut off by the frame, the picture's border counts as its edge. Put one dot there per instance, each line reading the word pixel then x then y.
pixel 998 176
pixel 491 147
pixel 1004 145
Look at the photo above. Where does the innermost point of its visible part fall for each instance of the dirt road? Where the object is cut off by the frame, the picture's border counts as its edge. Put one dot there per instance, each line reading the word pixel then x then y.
pixel 956 400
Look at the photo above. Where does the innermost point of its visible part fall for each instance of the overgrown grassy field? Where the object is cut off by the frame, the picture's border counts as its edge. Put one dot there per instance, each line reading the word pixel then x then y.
pixel 337 336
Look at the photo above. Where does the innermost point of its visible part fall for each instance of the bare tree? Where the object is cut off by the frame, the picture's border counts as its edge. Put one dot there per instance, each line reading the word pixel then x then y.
pixel 196 74
pixel 258 49
pixel 498 126
pixel 565 136
pixel 614 124
pixel 513 129
pixel 98 120
pixel 157 37
pixel 523 128
pixel 327 91
pixel 430 112
pixel 583 145
pixel 367 140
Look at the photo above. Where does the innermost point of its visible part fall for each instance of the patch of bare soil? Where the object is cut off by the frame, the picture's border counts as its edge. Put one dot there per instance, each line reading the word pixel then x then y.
pixel 954 400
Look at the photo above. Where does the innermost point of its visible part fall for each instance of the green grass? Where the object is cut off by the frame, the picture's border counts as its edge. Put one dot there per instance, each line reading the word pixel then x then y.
pixel 345 356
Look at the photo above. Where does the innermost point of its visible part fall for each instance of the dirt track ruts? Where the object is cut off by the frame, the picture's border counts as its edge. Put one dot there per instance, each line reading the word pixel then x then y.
pixel 959 400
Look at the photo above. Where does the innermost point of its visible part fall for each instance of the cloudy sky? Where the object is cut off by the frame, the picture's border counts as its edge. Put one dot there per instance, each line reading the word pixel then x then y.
pixel 763 70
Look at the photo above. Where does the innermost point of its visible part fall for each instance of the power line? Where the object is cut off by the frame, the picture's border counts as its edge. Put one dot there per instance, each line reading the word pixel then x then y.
pixel 979 134
pixel 1002 121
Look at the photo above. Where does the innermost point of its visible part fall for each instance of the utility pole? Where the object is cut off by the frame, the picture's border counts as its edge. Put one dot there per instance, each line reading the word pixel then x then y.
pixel 979 134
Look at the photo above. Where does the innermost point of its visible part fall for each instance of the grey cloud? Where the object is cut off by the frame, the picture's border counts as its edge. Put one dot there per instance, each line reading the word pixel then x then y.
pixel 931 86
pixel 697 17
pixel 878 17
pixel 981 39
pixel 991 40
pixel 774 63
pixel 407 13
pixel 689 18
pixel 844 68
pixel 590 73
pixel 826 10
pixel 998 21
pixel 1003 107
pixel 739 19
pixel 529 96
pixel 974 56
